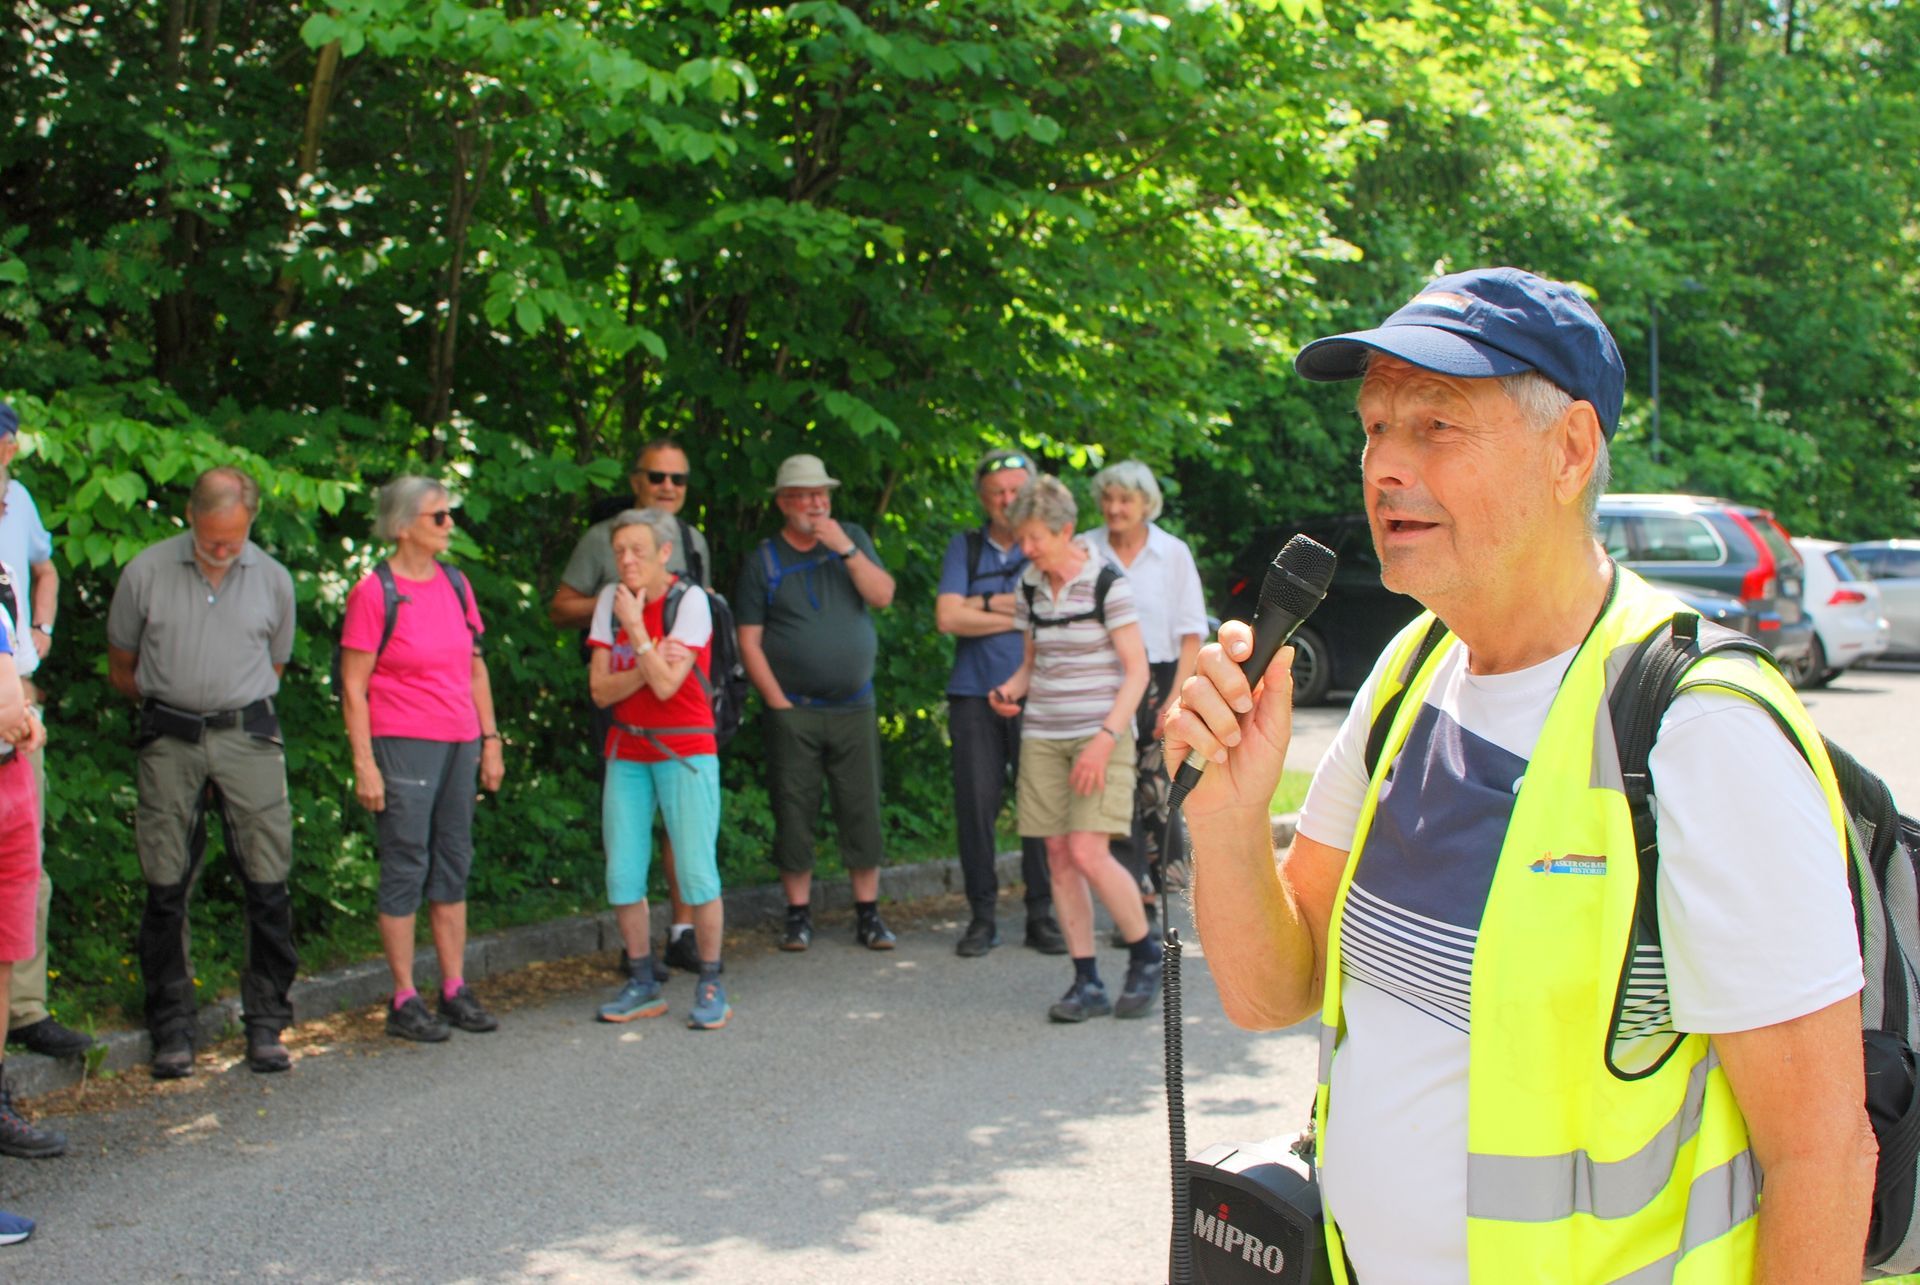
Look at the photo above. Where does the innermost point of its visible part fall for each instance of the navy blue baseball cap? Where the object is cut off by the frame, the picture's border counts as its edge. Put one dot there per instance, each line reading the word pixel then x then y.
pixel 9 419
pixel 1485 323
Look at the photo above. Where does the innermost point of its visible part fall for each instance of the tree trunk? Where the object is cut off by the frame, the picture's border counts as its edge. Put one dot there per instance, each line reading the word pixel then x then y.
pixel 319 99
pixel 460 206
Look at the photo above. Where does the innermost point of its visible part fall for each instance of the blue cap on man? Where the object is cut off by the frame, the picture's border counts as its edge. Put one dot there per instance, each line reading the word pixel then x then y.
pixel 9 419
pixel 1486 323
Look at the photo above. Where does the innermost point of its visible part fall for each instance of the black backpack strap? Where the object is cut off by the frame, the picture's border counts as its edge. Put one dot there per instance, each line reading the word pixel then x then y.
pixel 976 546
pixel 695 567
pixel 669 611
pixel 1383 719
pixel 1101 583
pixel 1033 621
pixel 1646 688
pixel 390 600
pixel 459 583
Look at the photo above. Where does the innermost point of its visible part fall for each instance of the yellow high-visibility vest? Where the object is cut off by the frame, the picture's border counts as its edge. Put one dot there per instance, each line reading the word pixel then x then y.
pixel 1574 1172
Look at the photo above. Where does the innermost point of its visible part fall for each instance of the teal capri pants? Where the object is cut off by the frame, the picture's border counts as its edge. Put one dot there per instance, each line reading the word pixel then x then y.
pixel 686 791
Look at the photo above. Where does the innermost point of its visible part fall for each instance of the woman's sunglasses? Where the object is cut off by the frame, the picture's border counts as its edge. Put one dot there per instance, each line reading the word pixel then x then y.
pixel 440 516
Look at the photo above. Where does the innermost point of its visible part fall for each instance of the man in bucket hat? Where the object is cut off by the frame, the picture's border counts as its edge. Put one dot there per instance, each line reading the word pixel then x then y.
pixel 803 607
pixel 1516 1081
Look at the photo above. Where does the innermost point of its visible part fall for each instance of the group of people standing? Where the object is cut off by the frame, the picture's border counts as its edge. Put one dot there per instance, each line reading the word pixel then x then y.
pixel 1056 652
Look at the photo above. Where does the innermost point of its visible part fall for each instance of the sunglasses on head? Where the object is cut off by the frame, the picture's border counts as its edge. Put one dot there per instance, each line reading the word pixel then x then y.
pixel 1001 464
pixel 440 516
pixel 656 477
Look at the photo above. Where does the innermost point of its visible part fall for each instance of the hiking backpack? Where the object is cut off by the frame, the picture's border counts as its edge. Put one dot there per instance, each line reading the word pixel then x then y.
pixel 1883 857
pixel 390 600
pixel 726 683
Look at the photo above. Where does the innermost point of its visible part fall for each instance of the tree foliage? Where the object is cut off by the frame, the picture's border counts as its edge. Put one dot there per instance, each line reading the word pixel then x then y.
pixel 506 243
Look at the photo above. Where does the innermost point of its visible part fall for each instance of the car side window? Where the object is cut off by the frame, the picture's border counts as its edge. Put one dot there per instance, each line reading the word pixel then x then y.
pixel 1903 564
pixel 1613 534
pixel 1671 538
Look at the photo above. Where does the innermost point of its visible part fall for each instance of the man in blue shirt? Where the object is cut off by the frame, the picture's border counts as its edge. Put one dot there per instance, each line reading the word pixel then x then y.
pixel 26 551
pixel 975 605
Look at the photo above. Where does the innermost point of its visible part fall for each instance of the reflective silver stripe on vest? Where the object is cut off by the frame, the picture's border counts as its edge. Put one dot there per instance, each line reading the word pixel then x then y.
pixel 1329 1037
pixel 1719 1200
pixel 1541 1189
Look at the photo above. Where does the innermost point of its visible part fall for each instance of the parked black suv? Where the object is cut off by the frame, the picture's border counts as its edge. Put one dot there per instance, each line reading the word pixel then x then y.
pixel 1335 650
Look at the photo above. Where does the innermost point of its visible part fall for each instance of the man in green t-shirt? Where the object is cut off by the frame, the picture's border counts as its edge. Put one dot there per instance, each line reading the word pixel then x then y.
pixel 807 641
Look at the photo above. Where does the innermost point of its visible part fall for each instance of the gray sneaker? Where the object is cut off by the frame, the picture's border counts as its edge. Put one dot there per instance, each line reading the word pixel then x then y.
pixel 464 1011
pixel 412 1021
pixel 639 998
pixel 710 1008
pixel 1082 1000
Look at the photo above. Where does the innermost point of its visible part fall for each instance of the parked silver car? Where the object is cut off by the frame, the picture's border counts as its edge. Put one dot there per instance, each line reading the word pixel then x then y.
pixel 1848 626
pixel 1895 568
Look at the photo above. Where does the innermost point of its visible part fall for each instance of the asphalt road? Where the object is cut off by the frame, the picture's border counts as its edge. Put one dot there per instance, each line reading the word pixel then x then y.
pixel 907 1117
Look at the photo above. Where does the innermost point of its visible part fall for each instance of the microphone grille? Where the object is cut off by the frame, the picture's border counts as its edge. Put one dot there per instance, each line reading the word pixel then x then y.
pixel 1299 577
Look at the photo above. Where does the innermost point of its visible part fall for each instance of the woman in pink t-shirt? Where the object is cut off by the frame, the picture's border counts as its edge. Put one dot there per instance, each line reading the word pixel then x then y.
pixel 419 713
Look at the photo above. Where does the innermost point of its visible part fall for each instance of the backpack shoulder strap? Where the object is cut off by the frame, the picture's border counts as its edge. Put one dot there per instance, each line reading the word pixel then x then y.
pixel 1383 717
pixel 675 592
pixel 1101 583
pixel 695 567
pixel 771 561
pixel 1033 621
pixel 1646 688
pixel 459 583
pixel 976 546
pixel 390 600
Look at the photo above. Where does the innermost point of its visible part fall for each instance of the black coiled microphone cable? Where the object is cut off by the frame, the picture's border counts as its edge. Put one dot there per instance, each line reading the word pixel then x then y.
pixel 1181 1264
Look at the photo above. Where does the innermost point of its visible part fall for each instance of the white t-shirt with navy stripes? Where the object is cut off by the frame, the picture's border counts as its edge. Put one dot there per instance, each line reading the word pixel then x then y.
pixel 1755 917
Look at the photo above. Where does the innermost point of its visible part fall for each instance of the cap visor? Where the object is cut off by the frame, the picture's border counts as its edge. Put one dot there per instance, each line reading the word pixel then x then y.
pixel 1341 357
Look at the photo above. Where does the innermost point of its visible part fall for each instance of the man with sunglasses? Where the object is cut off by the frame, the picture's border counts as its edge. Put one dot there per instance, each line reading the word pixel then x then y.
pixel 975 604
pixel 659 480
pixel 200 630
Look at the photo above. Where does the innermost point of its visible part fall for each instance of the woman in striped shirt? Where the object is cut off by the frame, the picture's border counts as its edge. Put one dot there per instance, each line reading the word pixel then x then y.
pixel 1084 672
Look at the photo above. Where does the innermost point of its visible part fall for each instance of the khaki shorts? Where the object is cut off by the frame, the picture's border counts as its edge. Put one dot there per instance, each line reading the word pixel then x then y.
pixel 1048 805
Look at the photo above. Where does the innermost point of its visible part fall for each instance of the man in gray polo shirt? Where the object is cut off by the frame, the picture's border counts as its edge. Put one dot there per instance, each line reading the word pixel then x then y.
pixel 200 630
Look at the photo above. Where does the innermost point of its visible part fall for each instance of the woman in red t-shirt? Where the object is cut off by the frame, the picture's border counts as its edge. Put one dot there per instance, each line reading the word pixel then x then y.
pixel 651 642
pixel 419 712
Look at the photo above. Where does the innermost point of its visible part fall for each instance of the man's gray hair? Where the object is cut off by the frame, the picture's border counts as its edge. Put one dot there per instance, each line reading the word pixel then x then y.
pixel 399 504
pixel 665 530
pixel 1131 475
pixel 222 488
pixel 1047 498
pixel 1542 402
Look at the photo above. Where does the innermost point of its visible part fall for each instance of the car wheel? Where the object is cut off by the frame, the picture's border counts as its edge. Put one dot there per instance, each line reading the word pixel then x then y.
pixel 1312 668
pixel 1817 674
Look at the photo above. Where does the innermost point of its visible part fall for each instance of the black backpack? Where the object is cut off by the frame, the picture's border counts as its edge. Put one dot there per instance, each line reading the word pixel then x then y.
pixel 726 685
pixel 390 600
pixel 1101 583
pixel 1883 851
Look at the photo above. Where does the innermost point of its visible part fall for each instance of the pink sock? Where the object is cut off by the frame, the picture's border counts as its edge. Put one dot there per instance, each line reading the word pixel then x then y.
pixel 401 997
pixel 449 987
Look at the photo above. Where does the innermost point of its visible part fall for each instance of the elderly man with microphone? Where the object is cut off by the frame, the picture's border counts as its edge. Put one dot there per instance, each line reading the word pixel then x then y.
pixel 1484 1111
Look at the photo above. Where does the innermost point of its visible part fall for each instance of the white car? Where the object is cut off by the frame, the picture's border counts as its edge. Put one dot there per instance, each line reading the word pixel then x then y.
pixel 1848 626
pixel 1894 566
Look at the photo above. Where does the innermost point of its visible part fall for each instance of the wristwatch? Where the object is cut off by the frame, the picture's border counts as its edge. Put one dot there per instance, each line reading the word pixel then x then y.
pixel 644 646
pixel 44 627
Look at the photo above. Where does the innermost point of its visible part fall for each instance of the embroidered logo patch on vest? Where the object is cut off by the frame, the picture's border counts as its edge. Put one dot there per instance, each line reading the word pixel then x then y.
pixel 1574 863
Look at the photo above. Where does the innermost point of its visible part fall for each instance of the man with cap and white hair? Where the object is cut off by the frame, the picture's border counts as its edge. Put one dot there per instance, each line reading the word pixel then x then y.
pixel 803 609
pixel 31 600
pixel 1515 1082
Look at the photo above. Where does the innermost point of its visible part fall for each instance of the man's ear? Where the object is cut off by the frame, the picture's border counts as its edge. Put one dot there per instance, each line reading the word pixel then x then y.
pixel 1577 438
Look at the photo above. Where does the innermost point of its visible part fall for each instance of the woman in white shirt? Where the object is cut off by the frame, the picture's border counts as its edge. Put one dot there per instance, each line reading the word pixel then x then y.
pixel 1173 624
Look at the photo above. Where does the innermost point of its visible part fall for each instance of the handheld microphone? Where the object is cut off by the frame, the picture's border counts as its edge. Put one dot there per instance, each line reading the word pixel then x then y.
pixel 1295 585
